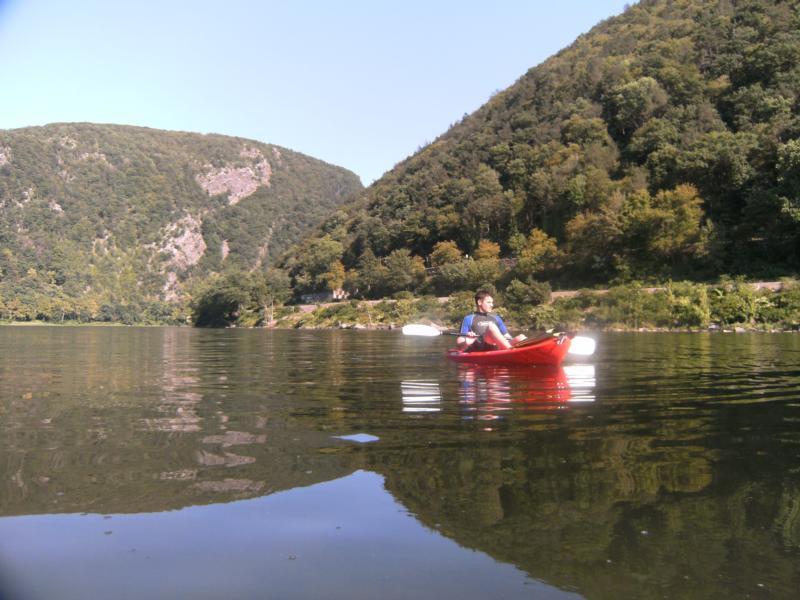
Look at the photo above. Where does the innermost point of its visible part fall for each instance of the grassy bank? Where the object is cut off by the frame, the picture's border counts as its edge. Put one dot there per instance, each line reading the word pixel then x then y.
pixel 677 306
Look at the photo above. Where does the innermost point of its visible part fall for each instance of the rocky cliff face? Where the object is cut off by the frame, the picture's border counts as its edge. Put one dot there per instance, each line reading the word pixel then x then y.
pixel 237 182
pixel 126 213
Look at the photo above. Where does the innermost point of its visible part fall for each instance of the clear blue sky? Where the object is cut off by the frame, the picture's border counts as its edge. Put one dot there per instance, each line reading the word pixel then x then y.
pixel 360 83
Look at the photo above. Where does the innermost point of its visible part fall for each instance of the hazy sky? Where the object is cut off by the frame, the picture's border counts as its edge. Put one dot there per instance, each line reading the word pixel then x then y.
pixel 357 83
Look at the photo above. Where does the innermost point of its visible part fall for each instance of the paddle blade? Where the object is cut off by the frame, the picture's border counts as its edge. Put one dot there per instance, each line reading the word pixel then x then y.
pixel 582 346
pixel 418 329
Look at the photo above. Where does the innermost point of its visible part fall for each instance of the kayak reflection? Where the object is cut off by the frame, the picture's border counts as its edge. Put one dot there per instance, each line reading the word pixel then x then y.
pixel 488 391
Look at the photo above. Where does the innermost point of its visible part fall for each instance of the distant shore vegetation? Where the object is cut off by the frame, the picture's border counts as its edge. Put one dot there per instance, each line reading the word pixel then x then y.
pixel 729 304
pixel 662 145
pixel 259 300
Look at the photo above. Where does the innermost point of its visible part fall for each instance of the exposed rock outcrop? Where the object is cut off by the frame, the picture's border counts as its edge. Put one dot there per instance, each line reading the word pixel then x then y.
pixel 237 182
pixel 185 244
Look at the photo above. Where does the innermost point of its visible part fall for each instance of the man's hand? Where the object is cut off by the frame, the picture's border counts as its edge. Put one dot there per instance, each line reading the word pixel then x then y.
pixel 466 339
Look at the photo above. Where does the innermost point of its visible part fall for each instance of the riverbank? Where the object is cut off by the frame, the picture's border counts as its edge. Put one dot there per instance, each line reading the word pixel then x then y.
pixel 729 306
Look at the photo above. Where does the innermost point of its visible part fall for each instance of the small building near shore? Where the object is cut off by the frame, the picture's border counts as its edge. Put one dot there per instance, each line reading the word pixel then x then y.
pixel 318 298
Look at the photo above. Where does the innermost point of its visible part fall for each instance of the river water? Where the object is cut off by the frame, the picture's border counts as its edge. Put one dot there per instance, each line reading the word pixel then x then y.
pixel 181 463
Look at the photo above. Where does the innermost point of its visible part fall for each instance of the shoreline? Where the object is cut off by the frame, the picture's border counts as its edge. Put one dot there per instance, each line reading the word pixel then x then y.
pixel 395 327
pixel 731 306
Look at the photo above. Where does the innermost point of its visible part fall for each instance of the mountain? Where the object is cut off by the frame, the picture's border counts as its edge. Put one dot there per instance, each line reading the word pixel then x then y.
pixel 97 221
pixel 663 143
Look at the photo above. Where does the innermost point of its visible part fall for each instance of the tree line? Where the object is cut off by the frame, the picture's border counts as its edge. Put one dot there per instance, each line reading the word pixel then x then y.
pixel 663 144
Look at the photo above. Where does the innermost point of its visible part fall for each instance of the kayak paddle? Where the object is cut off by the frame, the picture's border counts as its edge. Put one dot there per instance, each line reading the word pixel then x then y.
pixel 425 330
pixel 580 345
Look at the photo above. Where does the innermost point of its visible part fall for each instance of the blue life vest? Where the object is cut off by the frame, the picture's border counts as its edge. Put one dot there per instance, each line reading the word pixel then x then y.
pixel 478 322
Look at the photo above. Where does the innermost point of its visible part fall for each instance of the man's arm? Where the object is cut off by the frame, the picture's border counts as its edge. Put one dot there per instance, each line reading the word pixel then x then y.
pixel 504 330
pixel 467 336
pixel 502 326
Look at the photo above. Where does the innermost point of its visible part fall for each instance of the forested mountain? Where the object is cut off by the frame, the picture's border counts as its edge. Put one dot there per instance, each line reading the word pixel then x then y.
pixel 663 143
pixel 112 222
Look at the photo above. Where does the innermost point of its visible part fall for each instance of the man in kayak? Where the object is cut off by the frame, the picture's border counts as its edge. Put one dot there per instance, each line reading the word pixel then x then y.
pixel 482 331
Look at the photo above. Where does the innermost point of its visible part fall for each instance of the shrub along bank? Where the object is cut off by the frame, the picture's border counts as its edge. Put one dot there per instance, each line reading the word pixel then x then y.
pixel 728 304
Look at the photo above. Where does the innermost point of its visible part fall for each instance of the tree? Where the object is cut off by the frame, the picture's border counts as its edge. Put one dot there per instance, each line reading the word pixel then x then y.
pixel 594 242
pixel 334 278
pixel 278 286
pixel 665 229
pixel 372 275
pixel 489 208
pixel 519 295
pixel 579 130
pixel 487 250
pixel 404 271
pixel 445 252
pixel 220 303
pixel 316 261
pixel 631 104
pixel 654 135
pixel 535 253
pixel 720 166
pixel 788 178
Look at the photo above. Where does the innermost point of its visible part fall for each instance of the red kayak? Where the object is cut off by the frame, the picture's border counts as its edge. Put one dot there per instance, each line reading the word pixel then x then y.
pixel 549 350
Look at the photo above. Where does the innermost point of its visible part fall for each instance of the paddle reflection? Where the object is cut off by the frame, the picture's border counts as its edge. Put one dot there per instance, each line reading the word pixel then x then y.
pixel 487 391
pixel 421 395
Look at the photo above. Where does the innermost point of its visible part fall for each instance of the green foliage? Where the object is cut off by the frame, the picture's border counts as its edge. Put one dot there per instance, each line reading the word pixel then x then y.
pixel 370 278
pixel 544 317
pixel 624 305
pixel 319 265
pixel 677 305
pixel 783 308
pixel 666 229
pixel 631 104
pixel 660 145
pixel 535 253
pixel 277 286
pixel 788 178
pixel 332 316
pixel 468 274
pixel 239 298
pixel 113 223
pixel 445 252
pixel 459 305
pixel 222 301
pixel 519 295
pixel 689 304
pixel 680 305
pixel 733 301
pixel 403 271
pixel 641 235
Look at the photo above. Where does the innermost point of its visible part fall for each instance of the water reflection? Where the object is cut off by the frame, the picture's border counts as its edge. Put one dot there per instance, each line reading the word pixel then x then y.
pixel 180 395
pixel 113 420
pixel 420 396
pixel 341 539
pixel 489 391
pixel 581 381
pixel 668 467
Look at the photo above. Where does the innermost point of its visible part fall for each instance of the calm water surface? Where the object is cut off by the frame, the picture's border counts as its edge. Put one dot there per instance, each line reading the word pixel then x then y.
pixel 176 463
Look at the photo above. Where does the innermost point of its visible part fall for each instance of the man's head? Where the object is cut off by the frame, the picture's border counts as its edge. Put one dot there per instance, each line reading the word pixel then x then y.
pixel 484 301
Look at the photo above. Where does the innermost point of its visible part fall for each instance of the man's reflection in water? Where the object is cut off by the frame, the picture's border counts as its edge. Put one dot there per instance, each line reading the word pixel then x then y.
pixel 487 392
